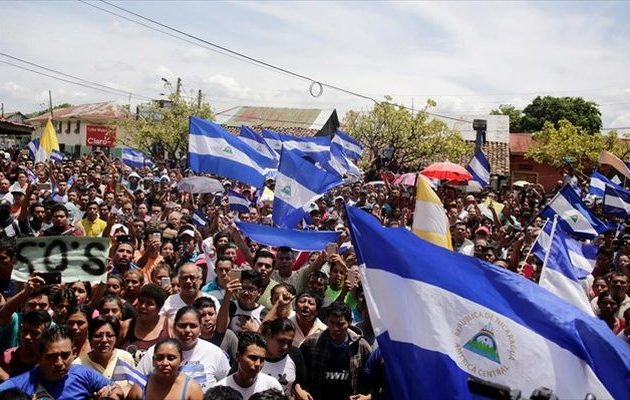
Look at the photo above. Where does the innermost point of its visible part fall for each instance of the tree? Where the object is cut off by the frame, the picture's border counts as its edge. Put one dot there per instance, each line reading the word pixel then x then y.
pixel 162 127
pixel 513 113
pixel 557 146
pixel 415 139
pixel 581 113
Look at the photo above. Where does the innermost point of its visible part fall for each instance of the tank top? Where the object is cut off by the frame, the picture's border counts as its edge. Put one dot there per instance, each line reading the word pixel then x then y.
pixel 184 390
pixel 137 347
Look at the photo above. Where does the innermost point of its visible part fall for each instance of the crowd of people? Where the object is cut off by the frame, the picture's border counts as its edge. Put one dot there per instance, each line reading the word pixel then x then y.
pixel 199 310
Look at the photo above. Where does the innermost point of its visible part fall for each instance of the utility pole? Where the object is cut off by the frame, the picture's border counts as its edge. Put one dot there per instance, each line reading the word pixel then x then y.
pixel 2 110
pixel 178 88
pixel 50 103
pixel 199 99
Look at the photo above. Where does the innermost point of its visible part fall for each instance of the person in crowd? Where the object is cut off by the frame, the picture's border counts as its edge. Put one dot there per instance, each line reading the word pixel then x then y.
pixel 22 358
pixel 190 282
pixel 216 288
pixel 608 307
pixel 227 341
pixel 247 380
pixel 202 360
pixel 92 224
pixel 243 314
pixel 78 323
pixel 166 381
pixel 35 296
pixel 63 301
pixel 55 376
pixel 307 307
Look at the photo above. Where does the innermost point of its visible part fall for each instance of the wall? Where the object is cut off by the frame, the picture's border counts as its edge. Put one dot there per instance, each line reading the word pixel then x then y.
pixel 522 168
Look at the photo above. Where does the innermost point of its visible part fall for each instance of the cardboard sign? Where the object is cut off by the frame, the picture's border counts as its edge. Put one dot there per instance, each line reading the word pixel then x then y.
pixel 77 258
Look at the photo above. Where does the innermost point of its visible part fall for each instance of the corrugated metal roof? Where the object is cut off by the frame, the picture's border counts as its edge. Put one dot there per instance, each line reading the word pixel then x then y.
pixel 520 142
pixel 299 121
pixel 94 112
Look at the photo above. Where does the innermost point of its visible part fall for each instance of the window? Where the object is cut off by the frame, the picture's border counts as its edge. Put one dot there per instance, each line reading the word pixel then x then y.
pixel 59 126
pixel 77 127
pixel 68 126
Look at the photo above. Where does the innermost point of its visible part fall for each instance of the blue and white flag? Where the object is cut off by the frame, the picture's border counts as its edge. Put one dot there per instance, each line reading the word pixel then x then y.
pixel 272 139
pixel 574 217
pixel 213 149
pixel 479 168
pixel 315 148
pixel 135 158
pixel 475 319
pixel 617 202
pixel 340 163
pixel 294 238
pixel 126 372
pixel 249 136
pixel 200 219
pixel 238 202
pixel 565 262
pixel 36 152
pixel 32 177
pixel 56 156
pixel 298 183
pixel 350 145
pixel 598 185
pixel 615 179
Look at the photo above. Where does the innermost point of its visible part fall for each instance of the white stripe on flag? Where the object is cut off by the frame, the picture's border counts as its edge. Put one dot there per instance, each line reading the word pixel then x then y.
pixel 214 147
pixel 458 320
pixel 568 290
pixel 479 170
pixel 571 216
pixel 292 192
pixel 578 260
pixel 617 202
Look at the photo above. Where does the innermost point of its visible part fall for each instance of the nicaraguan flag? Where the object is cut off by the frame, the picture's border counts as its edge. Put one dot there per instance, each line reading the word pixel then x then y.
pixel 238 202
pixel 273 140
pixel 340 163
pixel 350 145
pixel 598 184
pixel 126 372
pixel 200 219
pixel 213 149
pixel 135 158
pixel 56 156
pixel 616 202
pixel 249 136
pixel 566 264
pixel 36 152
pixel 296 239
pixel 479 168
pixel 32 177
pixel 441 317
pixel 316 148
pixel 574 216
pixel 298 183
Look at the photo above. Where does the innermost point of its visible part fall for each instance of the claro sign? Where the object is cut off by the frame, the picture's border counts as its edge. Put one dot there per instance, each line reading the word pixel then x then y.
pixel 100 135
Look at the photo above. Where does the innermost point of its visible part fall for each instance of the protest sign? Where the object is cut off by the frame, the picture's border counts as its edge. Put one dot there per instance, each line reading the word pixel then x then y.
pixel 77 258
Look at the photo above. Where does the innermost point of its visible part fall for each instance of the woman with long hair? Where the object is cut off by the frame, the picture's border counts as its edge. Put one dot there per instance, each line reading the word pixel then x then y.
pixel 77 323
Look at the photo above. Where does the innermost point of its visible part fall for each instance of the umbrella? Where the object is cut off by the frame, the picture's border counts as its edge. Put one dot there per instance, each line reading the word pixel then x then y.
pixel 199 184
pixel 409 179
pixel 520 184
pixel 447 170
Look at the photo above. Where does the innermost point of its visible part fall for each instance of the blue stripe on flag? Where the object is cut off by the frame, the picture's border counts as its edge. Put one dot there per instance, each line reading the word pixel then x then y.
pixel 126 372
pixel 238 203
pixel 249 136
pixel 199 218
pixel 479 168
pixel 351 146
pixel 616 202
pixel 531 337
pixel 598 184
pixel 135 158
pixel 315 148
pixel 293 238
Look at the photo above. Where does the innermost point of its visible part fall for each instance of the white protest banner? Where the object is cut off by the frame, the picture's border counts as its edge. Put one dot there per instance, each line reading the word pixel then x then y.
pixel 77 258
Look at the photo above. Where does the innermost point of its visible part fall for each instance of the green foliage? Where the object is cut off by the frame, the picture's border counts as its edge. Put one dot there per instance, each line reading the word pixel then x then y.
pixel 514 113
pixel 163 129
pixel 415 138
pixel 553 145
pixel 581 113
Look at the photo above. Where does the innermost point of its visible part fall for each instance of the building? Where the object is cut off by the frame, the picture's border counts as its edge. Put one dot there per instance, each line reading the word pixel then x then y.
pixel 84 128
pixel 526 169
pixel 15 130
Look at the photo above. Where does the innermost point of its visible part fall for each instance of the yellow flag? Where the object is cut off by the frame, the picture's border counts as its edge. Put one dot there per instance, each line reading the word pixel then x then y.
pixel 429 219
pixel 49 141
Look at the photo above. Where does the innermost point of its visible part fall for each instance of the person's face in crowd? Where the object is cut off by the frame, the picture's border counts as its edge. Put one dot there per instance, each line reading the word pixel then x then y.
pixel 127 210
pixel 92 212
pixel 488 255
pixel 103 340
pixel 189 278
pixel 284 261
pixel 111 309
pixel 480 247
pixel 29 164
pixel 187 330
pixel 608 306
pixel 120 199
pixel 472 213
pixel 77 324
pixel 244 217
pixel 104 211
pixel 338 327
pixel 166 360
pixel 143 210
pixel 459 232
pixel 30 335
pixel 4 185
pixel 139 227
pixel 123 254
pixel 278 345
pixel 222 241
pixel 278 293
pixel 167 250
pixel 501 264
pixel 133 284
pixel 60 219
pixel 222 269
pixel 72 196
pixel 306 309
pixel 599 285
pixel 83 200
pixel 264 266
pixel 22 179
pixel 251 361
pixel 624 263
pixel 337 276
pixel 110 197
pixel 62 187
pixel 248 295
pixel 147 307
pixel 185 213
pixel 175 219
pixel 313 257
pixel 158 274
pixel 80 292
pixel 208 321
pixel 61 311
pixel 317 285
pixel 56 359
pixel 6 261
pixel 175 286
pixel 253 214
pixel 619 286
pixel 37 303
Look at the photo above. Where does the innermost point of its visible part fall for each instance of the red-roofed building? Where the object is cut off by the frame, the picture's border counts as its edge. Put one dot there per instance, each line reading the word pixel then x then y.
pixel 526 169
pixel 14 130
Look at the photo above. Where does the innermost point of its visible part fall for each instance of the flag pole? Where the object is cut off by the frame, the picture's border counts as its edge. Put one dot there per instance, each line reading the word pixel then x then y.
pixel 553 232
pixel 529 253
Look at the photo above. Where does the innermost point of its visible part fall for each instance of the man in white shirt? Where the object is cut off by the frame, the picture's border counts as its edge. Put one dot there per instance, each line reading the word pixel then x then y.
pixel 248 380
pixel 190 282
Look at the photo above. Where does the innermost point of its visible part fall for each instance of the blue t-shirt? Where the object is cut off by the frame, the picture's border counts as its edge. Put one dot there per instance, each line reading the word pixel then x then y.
pixel 80 383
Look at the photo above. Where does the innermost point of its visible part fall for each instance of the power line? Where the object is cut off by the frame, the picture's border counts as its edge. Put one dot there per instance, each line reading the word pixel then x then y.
pixel 67 80
pixel 125 92
pixel 315 84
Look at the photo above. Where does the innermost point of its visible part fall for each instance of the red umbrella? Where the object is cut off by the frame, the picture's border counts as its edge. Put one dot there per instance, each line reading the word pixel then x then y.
pixel 408 179
pixel 447 170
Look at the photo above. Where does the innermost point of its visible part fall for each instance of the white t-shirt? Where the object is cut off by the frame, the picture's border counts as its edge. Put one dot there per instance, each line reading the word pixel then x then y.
pixel 262 383
pixel 205 363
pixel 174 302
pixel 288 370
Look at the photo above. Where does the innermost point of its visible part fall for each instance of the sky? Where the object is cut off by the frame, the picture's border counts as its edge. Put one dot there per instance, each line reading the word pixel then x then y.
pixel 469 57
